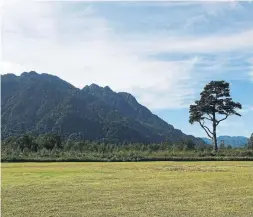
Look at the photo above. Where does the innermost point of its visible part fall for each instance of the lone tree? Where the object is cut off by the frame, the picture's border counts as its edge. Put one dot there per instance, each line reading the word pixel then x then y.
pixel 251 142
pixel 215 105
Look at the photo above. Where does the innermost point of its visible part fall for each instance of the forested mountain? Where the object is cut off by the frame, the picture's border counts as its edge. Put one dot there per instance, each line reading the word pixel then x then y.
pixel 234 141
pixel 43 103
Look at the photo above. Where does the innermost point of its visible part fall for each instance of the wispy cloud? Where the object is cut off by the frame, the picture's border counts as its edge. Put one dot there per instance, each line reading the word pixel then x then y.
pixel 83 47
pixel 212 44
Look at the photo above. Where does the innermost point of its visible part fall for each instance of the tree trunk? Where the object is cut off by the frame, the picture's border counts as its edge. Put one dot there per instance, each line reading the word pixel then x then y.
pixel 215 145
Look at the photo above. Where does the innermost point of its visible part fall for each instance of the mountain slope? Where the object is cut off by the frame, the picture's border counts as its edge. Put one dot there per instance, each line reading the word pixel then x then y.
pixel 42 103
pixel 128 106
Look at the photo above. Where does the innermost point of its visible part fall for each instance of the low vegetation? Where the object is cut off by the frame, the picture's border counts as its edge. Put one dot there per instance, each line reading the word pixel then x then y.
pixel 127 189
pixel 51 147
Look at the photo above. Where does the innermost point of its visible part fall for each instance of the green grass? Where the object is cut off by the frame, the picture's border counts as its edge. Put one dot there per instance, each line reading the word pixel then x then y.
pixel 128 189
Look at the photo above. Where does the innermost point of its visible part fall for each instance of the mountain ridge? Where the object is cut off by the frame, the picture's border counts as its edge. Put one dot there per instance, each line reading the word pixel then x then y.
pixel 43 103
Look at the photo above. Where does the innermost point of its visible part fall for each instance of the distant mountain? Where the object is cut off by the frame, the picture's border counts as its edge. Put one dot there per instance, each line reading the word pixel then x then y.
pixel 207 141
pixel 234 141
pixel 43 103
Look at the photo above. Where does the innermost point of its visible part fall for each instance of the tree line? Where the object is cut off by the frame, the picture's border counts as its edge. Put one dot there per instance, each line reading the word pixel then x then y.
pixel 33 143
pixel 53 147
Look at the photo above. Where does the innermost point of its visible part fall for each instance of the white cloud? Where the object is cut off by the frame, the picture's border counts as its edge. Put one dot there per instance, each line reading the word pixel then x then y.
pixel 83 48
pixel 9 67
pixel 211 44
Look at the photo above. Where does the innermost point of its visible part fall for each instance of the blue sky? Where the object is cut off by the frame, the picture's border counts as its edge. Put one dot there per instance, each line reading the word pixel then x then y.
pixel 161 52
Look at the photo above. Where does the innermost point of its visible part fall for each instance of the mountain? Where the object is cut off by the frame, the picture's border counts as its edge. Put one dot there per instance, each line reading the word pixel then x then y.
pixel 207 141
pixel 43 103
pixel 234 141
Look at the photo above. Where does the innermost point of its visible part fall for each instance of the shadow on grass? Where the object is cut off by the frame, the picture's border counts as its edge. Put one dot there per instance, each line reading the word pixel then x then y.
pixel 176 159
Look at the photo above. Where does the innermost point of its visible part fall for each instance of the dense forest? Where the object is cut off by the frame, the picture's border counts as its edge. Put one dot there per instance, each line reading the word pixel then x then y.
pixel 51 147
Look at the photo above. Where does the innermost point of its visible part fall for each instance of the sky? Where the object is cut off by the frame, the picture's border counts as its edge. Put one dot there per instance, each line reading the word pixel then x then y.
pixel 163 53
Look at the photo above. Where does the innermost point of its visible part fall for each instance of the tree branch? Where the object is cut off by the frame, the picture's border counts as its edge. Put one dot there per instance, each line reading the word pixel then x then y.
pixel 217 122
pixel 208 119
pixel 206 129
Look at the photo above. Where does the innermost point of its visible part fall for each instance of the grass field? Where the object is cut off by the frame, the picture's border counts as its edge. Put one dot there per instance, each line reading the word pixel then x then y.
pixel 127 189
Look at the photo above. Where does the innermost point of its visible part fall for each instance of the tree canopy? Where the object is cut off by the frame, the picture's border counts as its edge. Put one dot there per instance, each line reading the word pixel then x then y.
pixel 215 105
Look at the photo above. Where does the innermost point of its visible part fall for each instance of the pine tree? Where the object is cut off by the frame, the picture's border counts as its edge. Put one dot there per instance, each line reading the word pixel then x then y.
pixel 215 102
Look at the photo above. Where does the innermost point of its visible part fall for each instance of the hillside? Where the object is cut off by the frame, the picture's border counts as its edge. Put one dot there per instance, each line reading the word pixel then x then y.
pixel 234 141
pixel 43 103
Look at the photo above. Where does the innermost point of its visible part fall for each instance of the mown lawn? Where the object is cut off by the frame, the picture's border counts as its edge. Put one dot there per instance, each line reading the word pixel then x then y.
pixel 127 189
